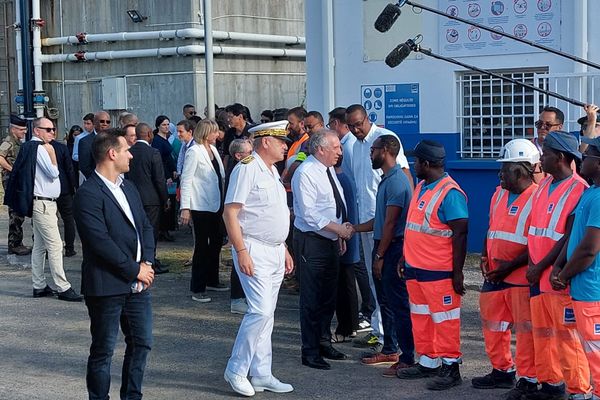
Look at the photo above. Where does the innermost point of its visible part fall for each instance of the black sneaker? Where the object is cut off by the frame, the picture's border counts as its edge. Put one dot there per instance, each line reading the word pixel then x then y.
pixel 69 295
pixel 495 379
pixel 522 389
pixel 548 392
pixel 447 377
pixel 417 372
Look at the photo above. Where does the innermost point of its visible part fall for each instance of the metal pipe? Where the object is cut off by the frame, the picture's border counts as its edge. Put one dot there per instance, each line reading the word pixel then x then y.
pixel 38 88
pixel 18 44
pixel 501 33
pixel 208 59
pixel 186 33
pixel 171 51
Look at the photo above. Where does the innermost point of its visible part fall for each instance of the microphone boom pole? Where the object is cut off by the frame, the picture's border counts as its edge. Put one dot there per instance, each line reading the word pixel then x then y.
pixel 501 33
pixel 428 52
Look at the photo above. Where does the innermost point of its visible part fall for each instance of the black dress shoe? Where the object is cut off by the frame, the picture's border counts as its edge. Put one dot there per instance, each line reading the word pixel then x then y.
pixel 317 363
pixel 45 292
pixel 19 250
pixel 70 253
pixel 69 295
pixel 331 353
pixel 160 269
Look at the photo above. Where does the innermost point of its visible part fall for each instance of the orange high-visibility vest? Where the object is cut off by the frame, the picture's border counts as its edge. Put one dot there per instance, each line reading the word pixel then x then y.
pixel 549 215
pixel 293 151
pixel 507 234
pixel 427 240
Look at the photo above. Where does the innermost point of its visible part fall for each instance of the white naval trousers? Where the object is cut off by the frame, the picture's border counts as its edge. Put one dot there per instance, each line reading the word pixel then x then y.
pixel 252 353
pixel 366 238
pixel 46 237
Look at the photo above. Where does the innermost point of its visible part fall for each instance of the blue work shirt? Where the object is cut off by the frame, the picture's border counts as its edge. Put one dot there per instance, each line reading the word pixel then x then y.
pixel 352 254
pixel 585 286
pixel 394 190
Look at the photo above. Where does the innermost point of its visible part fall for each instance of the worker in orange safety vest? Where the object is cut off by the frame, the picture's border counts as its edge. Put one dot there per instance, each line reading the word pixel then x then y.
pixel 504 299
pixel 559 356
pixel 435 244
pixel 582 269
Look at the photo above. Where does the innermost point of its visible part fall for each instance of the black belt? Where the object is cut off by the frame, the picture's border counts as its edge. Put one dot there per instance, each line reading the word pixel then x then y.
pixel 43 198
pixel 315 235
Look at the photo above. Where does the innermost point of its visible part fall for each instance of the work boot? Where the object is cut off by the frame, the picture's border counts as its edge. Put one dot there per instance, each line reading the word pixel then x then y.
pixel 447 377
pixel 548 392
pixel 417 372
pixel 521 390
pixel 19 250
pixel 495 379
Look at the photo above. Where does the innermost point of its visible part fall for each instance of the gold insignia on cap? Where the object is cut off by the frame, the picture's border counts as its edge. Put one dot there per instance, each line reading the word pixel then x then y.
pixel 282 133
pixel 247 160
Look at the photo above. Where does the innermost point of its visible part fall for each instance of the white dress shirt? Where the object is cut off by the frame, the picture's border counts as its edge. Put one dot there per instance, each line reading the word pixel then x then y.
pixel 117 191
pixel 47 183
pixel 265 215
pixel 365 177
pixel 314 203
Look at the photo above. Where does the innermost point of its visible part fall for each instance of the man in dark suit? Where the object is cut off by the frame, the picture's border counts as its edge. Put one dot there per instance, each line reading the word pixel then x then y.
pixel 68 182
pixel 118 252
pixel 147 173
pixel 86 160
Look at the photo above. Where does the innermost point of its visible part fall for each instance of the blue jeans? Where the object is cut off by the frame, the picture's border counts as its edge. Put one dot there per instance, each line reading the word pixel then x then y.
pixel 393 301
pixel 134 313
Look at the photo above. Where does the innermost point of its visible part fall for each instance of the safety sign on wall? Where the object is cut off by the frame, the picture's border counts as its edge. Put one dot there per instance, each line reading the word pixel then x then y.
pixel 534 20
pixel 394 106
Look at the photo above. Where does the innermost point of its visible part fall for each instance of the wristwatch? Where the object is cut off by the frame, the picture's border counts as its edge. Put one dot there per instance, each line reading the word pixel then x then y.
pixel 378 257
pixel 148 262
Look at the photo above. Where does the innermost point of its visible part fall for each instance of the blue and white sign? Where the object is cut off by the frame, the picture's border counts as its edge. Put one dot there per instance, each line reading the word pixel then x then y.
pixel 395 106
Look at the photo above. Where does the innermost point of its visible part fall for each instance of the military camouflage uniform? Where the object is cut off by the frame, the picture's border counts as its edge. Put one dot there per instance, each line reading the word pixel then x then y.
pixel 9 150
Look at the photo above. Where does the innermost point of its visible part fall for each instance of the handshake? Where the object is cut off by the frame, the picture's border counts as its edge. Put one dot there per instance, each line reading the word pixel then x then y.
pixel 345 230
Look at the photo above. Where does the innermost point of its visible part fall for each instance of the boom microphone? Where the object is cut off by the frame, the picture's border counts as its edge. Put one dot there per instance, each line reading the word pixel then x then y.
pixel 399 54
pixel 388 16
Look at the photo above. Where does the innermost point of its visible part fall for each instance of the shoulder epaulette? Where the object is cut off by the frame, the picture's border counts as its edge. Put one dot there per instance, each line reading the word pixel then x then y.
pixel 247 160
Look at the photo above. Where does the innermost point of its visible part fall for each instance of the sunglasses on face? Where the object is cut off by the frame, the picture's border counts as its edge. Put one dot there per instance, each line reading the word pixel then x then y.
pixel 104 121
pixel 545 125
pixel 47 129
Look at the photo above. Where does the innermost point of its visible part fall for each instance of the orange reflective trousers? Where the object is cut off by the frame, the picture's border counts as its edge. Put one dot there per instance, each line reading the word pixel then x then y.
pixel 435 316
pixel 587 315
pixel 503 311
pixel 558 352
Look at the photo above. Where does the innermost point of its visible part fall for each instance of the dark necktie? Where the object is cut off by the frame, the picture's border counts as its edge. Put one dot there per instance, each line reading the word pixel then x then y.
pixel 340 209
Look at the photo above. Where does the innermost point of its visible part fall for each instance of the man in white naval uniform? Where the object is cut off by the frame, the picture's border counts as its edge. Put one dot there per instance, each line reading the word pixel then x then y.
pixel 257 220
pixel 367 181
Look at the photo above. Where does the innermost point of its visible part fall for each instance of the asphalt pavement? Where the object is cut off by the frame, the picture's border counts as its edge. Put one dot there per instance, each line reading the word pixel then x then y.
pixel 44 342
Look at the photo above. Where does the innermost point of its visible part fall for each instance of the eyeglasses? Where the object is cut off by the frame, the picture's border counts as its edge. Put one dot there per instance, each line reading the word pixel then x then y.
pixel 330 123
pixel 47 129
pixel 584 156
pixel 546 125
pixel 192 113
pixel 104 121
pixel 352 126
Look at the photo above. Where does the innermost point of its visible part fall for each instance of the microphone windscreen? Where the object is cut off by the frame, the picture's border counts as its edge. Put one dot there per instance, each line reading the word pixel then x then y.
pixel 388 16
pixel 399 54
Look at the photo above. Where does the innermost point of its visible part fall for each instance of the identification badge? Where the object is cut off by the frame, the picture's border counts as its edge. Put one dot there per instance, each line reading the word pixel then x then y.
pixel 569 317
pixel 550 208
pixel 596 329
pixel 421 204
pixel 513 210
pixel 447 300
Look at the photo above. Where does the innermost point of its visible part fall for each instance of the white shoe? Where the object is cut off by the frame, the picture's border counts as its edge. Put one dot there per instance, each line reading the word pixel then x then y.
pixel 239 384
pixel 239 306
pixel 271 384
pixel 201 298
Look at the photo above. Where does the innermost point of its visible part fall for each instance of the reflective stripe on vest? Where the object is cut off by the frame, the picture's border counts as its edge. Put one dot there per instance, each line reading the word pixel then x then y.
pixel 425 227
pixel 591 346
pixel 519 236
pixel 496 326
pixel 436 317
pixel 550 231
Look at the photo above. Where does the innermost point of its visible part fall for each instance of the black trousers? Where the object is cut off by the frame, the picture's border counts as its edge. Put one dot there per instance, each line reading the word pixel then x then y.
pixel 318 263
pixel 153 214
pixel 367 305
pixel 64 203
pixel 207 247
pixel 346 308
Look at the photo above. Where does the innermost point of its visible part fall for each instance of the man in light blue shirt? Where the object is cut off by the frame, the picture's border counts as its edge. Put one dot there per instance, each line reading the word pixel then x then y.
pixel 88 127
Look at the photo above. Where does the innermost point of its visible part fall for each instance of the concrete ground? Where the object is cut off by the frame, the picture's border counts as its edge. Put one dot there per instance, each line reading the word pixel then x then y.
pixel 44 342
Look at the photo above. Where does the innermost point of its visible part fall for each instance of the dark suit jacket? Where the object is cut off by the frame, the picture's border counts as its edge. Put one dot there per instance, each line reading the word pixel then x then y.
pixel 165 149
pixel 68 181
pixel 87 164
pixel 146 172
pixel 19 189
pixel 108 239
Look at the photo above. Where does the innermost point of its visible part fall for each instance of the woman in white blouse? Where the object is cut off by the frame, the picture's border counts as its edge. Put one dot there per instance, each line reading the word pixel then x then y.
pixel 202 202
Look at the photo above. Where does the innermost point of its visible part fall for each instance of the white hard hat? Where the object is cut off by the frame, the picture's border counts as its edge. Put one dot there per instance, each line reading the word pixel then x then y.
pixel 520 150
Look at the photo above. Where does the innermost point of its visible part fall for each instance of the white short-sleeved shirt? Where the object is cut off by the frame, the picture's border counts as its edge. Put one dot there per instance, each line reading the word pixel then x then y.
pixel 314 202
pixel 264 215
pixel 365 177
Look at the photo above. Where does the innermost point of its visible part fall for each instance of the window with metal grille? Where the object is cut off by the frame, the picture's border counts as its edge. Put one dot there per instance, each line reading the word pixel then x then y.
pixel 492 112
